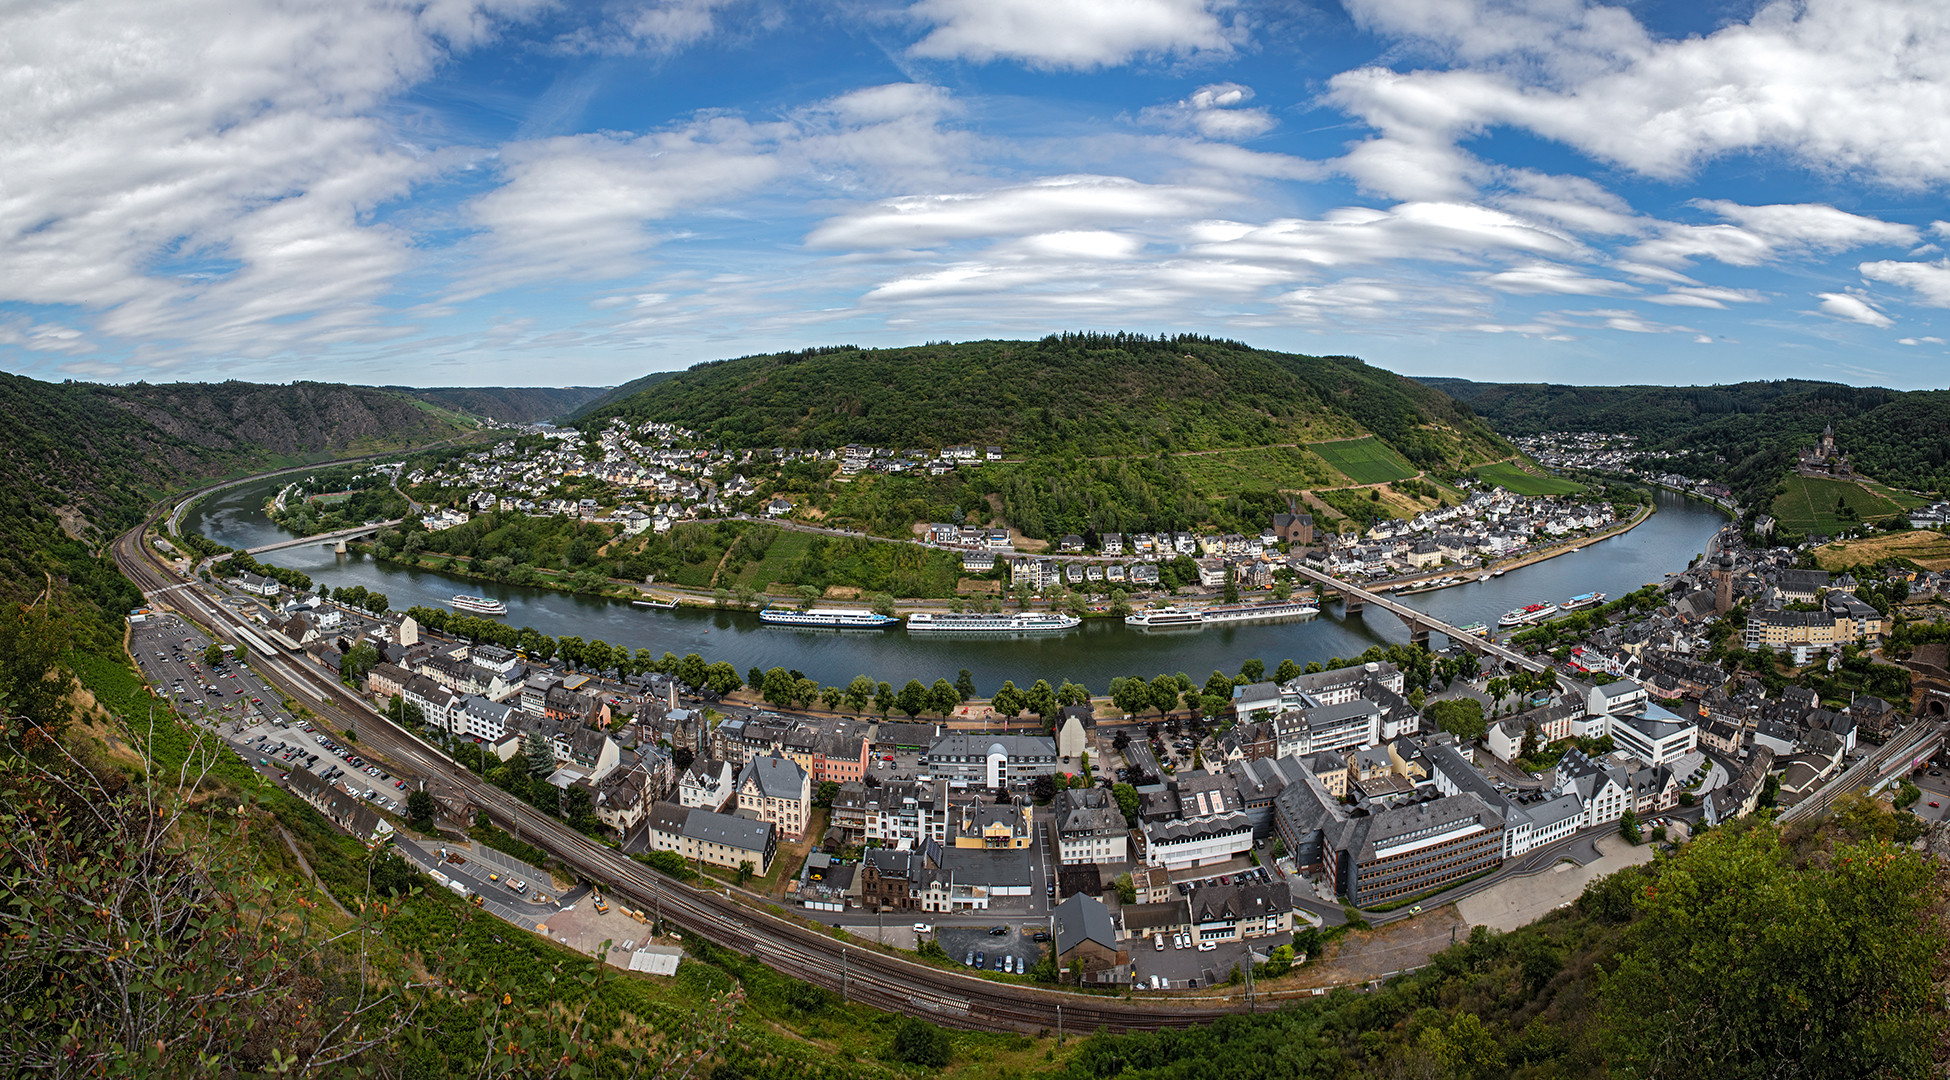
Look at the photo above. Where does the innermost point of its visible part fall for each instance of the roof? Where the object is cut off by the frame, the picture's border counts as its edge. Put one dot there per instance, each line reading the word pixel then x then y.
pixel 776 777
pixel 711 827
pixel 1139 918
pixel 1084 918
pixel 1007 867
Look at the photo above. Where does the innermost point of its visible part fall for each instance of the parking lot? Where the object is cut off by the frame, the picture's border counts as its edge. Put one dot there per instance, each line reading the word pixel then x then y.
pixel 1018 940
pixel 1934 806
pixel 232 701
pixel 1186 968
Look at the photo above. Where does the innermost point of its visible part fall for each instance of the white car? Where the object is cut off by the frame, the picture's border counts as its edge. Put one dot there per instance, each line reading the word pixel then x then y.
pixel 1159 941
pixel 1207 946
pixel 922 928
pixel 1180 941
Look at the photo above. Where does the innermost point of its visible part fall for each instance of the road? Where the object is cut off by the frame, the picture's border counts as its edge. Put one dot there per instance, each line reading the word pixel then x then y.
pixel 860 974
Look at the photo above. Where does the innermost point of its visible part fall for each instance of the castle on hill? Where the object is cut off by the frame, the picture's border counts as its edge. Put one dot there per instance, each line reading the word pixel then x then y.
pixel 1823 459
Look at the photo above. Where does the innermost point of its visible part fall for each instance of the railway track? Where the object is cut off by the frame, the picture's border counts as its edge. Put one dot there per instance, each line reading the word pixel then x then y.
pixel 860 974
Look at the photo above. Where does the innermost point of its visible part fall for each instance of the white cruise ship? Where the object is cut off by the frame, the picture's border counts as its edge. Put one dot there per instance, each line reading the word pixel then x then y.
pixel 1167 618
pixel 1164 618
pixel 478 605
pixel 1278 609
pixel 1021 622
pixel 1526 615
pixel 844 618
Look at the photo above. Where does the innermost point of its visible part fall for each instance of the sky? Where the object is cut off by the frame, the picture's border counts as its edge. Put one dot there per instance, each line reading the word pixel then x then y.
pixel 521 192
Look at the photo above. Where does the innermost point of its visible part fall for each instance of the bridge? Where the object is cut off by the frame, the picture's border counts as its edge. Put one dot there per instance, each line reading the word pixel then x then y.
pixel 336 538
pixel 1419 623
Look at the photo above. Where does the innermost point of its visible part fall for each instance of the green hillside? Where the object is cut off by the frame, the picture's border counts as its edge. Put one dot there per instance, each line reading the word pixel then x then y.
pixel 508 404
pixel 83 460
pixel 1088 395
pixel 1745 433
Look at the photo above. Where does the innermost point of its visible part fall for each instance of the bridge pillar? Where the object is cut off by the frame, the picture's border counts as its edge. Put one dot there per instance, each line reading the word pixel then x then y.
pixel 1418 634
pixel 1353 603
pixel 339 547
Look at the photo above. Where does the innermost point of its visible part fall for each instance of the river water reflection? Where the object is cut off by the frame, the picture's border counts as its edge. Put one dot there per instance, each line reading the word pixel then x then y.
pixel 1095 653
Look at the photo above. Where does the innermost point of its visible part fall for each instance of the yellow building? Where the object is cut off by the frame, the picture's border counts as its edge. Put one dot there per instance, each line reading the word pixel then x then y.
pixel 989 825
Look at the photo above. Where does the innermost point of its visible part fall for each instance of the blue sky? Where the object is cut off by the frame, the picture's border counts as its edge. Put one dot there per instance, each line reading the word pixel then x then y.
pixel 479 192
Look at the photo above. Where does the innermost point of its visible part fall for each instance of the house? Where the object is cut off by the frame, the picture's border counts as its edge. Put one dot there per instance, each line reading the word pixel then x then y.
pixel 1090 829
pixel 992 760
pixel 779 508
pixel 1087 946
pixel 339 808
pixel 708 837
pixel 775 789
pixel 1239 912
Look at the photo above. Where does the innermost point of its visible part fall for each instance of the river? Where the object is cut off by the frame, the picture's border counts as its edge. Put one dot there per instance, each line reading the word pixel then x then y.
pixel 1092 655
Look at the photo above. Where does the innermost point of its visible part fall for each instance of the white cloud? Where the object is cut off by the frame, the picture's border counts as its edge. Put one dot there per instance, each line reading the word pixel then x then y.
pixel 1814 226
pixel 1705 297
pixel 1215 113
pixel 1435 232
pixel 1919 341
pixel 1551 278
pixel 583 206
pixel 1852 308
pixel 1930 281
pixel 1080 34
pixel 205 174
pixel 1050 205
pixel 1854 86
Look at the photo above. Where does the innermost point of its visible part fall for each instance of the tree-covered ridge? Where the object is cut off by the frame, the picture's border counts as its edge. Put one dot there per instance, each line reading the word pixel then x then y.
pixel 508 404
pixel 1090 395
pixel 79 462
pixel 1748 431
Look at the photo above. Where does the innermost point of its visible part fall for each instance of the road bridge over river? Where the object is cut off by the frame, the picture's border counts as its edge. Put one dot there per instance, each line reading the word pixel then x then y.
pixel 1420 623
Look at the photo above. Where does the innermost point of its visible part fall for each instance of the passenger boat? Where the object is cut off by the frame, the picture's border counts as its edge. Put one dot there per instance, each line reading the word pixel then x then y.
pixel 1164 618
pixel 478 605
pixel 1022 622
pixel 1278 609
pixel 1477 628
pixel 1524 616
pixel 842 618
pixel 1583 600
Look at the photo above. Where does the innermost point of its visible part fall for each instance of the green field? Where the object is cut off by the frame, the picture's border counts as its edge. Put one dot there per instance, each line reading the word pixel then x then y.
pixel 1809 505
pixel 1364 461
pixel 1279 468
pixel 1512 477
pixel 785 548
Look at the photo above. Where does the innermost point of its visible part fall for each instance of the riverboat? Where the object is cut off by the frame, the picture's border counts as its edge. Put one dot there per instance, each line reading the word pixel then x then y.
pixel 1477 628
pixel 1583 600
pixel 1022 622
pixel 1229 613
pixel 1524 616
pixel 478 605
pixel 1164 618
pixel 842 618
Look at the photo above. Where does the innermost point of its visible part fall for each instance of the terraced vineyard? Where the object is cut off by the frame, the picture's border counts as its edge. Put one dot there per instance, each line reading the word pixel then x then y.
pixel 1364 461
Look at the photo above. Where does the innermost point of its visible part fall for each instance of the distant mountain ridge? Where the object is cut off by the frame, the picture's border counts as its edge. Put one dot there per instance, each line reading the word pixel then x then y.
pixel 1899 437
pixel 1083 394
pixel 81 461
pixel 508 404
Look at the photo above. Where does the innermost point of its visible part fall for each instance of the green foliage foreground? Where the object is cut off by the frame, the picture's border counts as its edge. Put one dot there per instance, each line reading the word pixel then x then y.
pixel 1751 953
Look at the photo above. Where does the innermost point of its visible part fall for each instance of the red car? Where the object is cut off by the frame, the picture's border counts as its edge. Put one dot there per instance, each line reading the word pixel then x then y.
pixel 1932 804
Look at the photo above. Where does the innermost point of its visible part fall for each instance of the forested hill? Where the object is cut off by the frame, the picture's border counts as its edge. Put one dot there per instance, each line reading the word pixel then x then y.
pixel 81 460
pixel 508 404
pixel 1895 436
pixel 1085 394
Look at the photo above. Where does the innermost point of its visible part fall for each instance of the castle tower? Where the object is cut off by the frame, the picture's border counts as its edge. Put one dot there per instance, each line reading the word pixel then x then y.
pixel 1828 441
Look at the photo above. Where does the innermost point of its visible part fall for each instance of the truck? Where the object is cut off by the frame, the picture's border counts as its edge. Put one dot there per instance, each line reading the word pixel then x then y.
pixel 459 889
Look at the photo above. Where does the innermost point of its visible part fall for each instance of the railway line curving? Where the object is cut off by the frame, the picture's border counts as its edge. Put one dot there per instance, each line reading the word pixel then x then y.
pixel 866 975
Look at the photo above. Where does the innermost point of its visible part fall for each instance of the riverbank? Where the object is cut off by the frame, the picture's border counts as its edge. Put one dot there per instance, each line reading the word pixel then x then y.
pixel 1552 552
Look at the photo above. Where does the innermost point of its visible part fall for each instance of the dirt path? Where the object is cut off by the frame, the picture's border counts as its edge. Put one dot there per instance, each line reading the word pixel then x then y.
pixel 309 872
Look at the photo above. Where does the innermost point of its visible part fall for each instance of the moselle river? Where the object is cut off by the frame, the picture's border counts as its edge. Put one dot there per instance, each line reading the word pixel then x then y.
pixel 1093 654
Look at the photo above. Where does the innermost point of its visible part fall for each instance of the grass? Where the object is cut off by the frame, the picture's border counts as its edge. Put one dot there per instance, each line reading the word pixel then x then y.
pixel 787 546
pixel 1279 468
pixel 1809 504
pixel 1510 475
pixel 1928 550
pixel 1364 461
